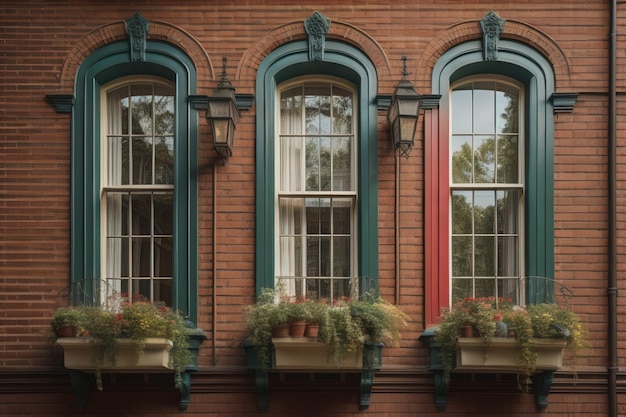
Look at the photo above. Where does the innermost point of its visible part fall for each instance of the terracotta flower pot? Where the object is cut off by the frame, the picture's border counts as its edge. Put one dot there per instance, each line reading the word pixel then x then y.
pixel 66 331
pixel 467 331
pixel 297 328
pixel 312 330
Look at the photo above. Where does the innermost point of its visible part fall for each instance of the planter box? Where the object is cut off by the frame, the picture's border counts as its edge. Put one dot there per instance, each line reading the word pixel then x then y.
pixel 502 354
pixel 80 353
pixel 300 353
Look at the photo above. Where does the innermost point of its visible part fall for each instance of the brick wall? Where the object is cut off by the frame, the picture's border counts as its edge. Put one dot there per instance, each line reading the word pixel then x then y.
pixel 43 43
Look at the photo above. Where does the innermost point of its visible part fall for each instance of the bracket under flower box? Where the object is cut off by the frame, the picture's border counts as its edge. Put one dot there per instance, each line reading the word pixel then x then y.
pixel 307 355
pixel 80 355
pixel 500 355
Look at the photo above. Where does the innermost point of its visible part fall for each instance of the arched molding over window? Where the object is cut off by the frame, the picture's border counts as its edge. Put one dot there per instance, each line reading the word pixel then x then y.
pixel 109 63
pixel 285 63
pixel 529 67
pixel 116 31
pixel 295 31
pixel 513 30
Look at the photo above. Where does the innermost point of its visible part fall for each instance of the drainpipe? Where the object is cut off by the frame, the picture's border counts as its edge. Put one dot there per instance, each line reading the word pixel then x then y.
pixel 397 231
pixel 214 295
pixel 612 244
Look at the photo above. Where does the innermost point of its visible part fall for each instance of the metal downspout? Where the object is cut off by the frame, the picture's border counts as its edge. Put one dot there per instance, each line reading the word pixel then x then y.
pixel 612 278
pixel 397 231
pixel 214 289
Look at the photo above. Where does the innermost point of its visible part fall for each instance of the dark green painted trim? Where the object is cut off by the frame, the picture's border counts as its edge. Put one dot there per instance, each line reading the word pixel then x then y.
pixel 106 64
pixel 523 63
pixel 343 61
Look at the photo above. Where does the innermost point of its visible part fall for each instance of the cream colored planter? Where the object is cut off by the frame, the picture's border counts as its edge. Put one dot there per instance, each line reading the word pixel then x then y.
pixel 307 353
pixel 81 352
pixel 503 354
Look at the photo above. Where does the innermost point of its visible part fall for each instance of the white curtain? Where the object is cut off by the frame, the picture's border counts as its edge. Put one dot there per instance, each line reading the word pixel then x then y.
pixel 291 163
pixel 113 138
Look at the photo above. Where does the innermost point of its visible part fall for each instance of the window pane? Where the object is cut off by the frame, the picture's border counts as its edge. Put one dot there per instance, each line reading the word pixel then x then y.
pixel 507 109
pixel 313 216
pixel 342 163
pixel 508 162
pixel 325 164
pixel 508 208
pixel 142 214
pixel 141 104
pixel 484 159
pixel 461 256
pixel 290 170
pixel 317 108
pixel 164 160
pixel 163 214
pixel 341 288
pixel 142 160
pixel 509 290
pixel 341 256
pixel 342 111
pixel 462 159
pixel 484 212
pixel 163 257
pixel 462 110
pixel 485 288
pixel 462 212
pixel 483 108
pixel 291 111
pixel 163 112
pixel 163 291
pixel 484 251
pixel 507 256
pixel 313 256
pixel 312 164
pixel 461 289
pixel 141 257
pixel 342 210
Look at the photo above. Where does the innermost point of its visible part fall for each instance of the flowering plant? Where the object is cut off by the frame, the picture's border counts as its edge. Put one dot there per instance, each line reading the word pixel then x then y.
pixel 499 318
pixel 136 320
pixel 344 324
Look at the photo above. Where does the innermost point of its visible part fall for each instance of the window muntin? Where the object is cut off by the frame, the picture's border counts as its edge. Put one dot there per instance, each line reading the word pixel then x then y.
pixel 316 189
pixel 138 193
pixel 486 189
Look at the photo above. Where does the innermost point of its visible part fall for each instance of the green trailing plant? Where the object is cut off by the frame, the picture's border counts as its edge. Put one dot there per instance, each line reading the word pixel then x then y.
pixel 261 319
pixel 379 320
pixel 342 334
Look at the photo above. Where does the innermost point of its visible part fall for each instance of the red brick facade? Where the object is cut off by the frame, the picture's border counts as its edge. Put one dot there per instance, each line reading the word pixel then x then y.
pixel 43 44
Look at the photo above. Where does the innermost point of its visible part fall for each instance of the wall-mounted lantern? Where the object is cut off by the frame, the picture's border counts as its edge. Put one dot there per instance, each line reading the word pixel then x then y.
pixel 403 114
pixel 223 114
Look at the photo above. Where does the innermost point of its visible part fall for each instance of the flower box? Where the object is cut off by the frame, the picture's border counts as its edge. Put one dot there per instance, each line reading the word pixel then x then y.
pixel 307 353
pixel 81 353
pixel 503 354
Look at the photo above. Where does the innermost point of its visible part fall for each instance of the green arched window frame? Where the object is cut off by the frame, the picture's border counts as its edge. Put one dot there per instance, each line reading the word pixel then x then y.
pixel 524 64
pixel 106 64
pixel 290 61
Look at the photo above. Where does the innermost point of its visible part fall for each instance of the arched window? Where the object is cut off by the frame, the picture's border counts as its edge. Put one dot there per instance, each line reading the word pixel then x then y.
pixel 134 181
pixel 489 233
pixel 316 152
